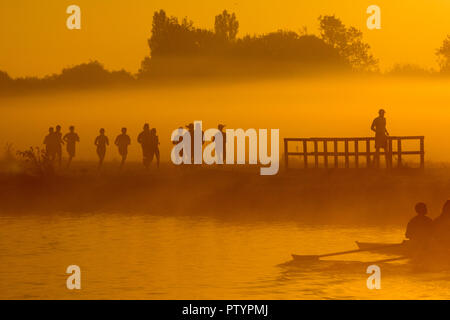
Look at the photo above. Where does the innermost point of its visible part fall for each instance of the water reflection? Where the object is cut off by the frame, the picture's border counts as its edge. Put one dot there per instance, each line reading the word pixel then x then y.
pixel 139 256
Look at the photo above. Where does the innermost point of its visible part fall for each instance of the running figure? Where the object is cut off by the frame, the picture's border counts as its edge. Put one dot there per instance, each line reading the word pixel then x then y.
pixel 156 146
pixel 50 142
pixel 71 138
pixel 122 142
pixel 101 142
pixel 59 143
pixel 146 141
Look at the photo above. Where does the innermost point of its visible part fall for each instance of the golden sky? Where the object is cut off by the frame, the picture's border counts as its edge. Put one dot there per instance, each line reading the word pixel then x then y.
pixel 35 40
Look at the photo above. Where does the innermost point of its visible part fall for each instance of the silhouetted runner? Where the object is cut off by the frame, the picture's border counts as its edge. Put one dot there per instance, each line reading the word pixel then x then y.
pixel 222 154
pixel 122 142
pixel 71 138
pixel 190 128
pixel 145 139
pixel 59 143
pixel 381 138
pixel 50 142
pixel 156 146
pixel 420 227
pixel 101 142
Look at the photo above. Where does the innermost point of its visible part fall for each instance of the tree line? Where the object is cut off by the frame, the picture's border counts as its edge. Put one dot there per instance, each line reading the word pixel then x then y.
pixel 178 49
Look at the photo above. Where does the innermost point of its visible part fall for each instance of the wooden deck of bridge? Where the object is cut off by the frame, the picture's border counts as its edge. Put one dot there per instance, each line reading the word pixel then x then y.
pixel 346 154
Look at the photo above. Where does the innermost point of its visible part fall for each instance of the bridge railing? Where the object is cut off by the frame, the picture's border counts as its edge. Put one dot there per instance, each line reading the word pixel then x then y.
pixel 330 153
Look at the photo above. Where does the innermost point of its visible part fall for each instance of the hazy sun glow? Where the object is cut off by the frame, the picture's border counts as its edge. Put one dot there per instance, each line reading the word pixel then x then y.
pixel 35 40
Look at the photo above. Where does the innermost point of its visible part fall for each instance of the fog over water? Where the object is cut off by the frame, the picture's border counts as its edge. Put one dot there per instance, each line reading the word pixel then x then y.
pixel 312 107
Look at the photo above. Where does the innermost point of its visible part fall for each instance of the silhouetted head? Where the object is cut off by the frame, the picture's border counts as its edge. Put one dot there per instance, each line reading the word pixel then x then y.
pixel 58 128
pixel 421 208
pixel 190 126
pixel 381 112
pixel 124 130
pixel 446 209
pixel 221 126
pixel 153 130
pixel 102 131
pixel 71 128
pixel 146 127
pixel 51 130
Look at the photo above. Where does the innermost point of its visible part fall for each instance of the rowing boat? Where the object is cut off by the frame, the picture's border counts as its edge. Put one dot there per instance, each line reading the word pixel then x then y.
pixel 386 248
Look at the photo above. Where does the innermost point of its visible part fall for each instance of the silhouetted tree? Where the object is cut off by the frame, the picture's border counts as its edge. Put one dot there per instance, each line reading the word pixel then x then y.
pixel 443 54
pixel 348 41
pixel 409 70
pixel 5 81
pixel 226 26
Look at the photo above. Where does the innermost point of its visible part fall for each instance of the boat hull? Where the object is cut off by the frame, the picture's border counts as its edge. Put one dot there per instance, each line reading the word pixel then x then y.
pixel 391 248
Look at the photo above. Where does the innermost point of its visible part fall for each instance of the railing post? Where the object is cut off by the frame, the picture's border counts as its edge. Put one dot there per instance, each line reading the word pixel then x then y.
pixel 305 154
pixel 356 154
pixel 399 153
pixel 286 154
pixel 336 159
pixel 368 153
pixel 316 154
pixel 422 153
pixel 347 162
pixel 325 153
pixel 389 154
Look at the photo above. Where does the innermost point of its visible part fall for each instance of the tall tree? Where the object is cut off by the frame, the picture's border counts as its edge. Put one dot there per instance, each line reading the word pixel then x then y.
pixel 226 25
pixel 443 54
pixel 348 42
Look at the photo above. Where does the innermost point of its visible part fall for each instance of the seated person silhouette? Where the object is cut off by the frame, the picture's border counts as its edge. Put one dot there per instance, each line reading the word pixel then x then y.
pixel 420 227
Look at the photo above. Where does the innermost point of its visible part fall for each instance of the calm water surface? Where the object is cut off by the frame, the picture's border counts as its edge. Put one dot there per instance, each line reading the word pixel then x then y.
pixel 148 257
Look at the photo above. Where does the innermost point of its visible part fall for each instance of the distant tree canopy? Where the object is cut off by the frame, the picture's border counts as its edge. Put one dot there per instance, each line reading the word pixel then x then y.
pixel 443 54
pixel 177 48
pixel 348 42
pixel 226 26
pixel 339 47
pixel 84 75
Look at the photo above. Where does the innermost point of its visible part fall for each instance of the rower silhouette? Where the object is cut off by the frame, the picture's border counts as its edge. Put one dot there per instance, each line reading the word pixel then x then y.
pixel 71 138
pixel 101 142
pixel 122 142
pixel 420 227
pixel 441 227
pixel 381 138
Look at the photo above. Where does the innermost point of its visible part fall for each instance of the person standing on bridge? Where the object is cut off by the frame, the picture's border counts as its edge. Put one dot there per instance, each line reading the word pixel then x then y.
pixel 381 138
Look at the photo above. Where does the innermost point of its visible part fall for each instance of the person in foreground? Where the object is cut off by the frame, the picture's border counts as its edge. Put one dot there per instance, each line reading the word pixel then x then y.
pixel 419 228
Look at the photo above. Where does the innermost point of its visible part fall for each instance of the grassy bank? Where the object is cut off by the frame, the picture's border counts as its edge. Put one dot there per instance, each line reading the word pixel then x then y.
pixel 322 196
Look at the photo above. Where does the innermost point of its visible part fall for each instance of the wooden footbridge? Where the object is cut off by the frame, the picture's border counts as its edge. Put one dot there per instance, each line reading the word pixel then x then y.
pixel 329 152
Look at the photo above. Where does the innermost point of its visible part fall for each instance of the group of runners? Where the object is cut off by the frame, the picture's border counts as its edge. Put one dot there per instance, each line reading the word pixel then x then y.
pixel 148 140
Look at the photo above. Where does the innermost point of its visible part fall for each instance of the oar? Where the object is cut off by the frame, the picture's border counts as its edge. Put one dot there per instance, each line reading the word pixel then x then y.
pixel 388 260
pixel 317 257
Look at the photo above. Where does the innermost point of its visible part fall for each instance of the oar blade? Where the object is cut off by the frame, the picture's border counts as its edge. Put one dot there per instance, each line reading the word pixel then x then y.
pixel 305 258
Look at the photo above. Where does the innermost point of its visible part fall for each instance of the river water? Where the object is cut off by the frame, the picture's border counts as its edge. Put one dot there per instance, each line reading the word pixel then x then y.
pixel 142 256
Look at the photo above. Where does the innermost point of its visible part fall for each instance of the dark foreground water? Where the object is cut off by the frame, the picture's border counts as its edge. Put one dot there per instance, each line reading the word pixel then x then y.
pixel 149 257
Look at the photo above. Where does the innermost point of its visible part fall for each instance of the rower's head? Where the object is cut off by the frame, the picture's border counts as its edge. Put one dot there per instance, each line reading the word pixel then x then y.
pixel 446 209
pixel 381 112
pixel 421 209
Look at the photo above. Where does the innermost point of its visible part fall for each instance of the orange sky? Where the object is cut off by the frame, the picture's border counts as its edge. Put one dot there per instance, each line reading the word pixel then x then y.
pixel 35 41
